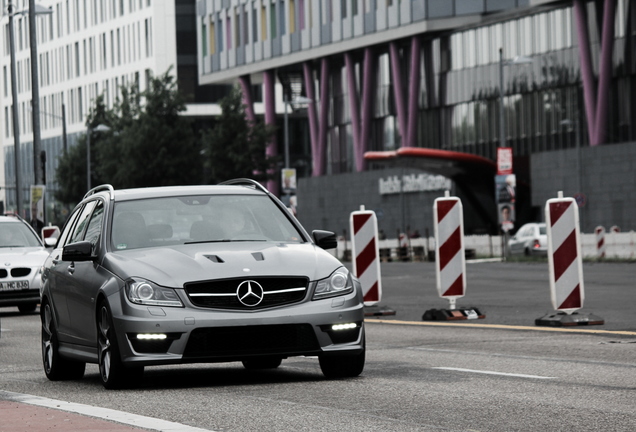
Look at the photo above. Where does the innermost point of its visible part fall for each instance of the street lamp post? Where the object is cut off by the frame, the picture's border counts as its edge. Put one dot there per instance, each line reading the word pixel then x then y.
pixel 299 100
pixel 35 89
pixel 16 120
pixel 33 10
pixel 89 131
pixel 503 63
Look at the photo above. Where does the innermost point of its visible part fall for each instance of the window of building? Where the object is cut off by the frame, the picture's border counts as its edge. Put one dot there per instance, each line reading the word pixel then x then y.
pixel 80 104
pixel 272 22
pixel 148 36
pixel 204 40
pixel 68 17
pixel 212 36
pixel 292 16
pixel 237 27
pixel 263 23
pixel 228 32
pixel 301 14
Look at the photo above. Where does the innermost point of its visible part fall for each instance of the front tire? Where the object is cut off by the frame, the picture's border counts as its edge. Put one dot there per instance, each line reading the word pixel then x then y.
pixel 112 371
pixel 56 367
pixel 27 308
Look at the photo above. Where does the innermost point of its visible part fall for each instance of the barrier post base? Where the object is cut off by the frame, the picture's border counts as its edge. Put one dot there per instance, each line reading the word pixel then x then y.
pixel 452 314
pixel 561 319
pixel 377 310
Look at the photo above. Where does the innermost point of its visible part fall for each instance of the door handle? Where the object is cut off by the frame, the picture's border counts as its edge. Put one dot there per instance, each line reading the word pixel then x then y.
pixel 71 268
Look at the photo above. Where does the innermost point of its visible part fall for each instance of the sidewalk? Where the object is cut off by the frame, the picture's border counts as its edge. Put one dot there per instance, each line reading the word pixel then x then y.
pixel 27 413
pixel 21 417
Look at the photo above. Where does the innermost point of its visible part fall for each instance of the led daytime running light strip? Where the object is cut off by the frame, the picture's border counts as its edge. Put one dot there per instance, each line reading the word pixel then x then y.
pixel 152 336
pixel 347 326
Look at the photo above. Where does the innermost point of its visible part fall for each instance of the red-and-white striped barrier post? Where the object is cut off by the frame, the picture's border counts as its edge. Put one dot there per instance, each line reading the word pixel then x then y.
pixel 450 262
pixel 564 254
pixel 366 256
pixel 600 241
pixel 566 265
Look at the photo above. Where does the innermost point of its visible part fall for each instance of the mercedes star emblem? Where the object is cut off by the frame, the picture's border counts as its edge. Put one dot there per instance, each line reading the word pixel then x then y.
pixel 250 293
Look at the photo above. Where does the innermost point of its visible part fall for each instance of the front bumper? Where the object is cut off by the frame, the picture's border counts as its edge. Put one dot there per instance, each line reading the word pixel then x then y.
pixel 15 297
pixel 194 335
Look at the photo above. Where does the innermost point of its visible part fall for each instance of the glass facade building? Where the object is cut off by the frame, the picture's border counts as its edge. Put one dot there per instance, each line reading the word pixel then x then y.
pixel 452 49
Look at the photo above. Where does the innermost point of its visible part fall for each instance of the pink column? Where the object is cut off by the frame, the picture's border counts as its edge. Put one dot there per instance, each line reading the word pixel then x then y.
pixel 398 92
pixel 414 92
pixel 587 73
pixel 248 101
pixel 367 104
pixel 605 73
pixel 270 119
pixel 319 160
pixel 354 105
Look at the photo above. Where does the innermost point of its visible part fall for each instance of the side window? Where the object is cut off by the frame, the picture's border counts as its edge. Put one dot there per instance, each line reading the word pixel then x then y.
pixel 82 222
pixel 94 229
pixel 68 227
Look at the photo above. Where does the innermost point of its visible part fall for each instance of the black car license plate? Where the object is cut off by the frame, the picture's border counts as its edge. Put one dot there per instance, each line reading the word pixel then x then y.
pixel 13 286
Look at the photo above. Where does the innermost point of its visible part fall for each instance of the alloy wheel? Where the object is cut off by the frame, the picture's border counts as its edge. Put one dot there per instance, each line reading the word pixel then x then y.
pixel 105 350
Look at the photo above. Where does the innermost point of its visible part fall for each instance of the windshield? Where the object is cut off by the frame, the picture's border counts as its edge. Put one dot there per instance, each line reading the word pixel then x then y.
pixel 199 219
pixel 17 235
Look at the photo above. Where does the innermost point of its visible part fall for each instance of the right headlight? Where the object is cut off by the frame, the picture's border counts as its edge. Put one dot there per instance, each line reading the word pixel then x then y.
pixel 143 292
pixel 339 283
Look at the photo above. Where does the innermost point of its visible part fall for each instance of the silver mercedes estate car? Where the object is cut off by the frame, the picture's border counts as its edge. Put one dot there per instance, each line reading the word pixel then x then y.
pixel 192 274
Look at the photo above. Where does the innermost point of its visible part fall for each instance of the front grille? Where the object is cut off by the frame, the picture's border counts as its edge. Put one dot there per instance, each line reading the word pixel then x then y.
pixel 3 273
pixel 280 339
pixel 222 294
pixel 20 271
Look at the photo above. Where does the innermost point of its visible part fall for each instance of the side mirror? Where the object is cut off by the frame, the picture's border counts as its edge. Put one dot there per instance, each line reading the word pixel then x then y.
pixel 50 242
pixel 325 239
pixel 80 251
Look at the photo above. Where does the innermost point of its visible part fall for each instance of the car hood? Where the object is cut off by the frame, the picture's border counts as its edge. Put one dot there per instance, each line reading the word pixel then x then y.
pixel 23 256
pixel 176 265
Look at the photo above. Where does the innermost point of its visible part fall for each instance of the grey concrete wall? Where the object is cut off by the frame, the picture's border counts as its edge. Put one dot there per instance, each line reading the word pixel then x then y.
pixel 607 180
pixel 326 202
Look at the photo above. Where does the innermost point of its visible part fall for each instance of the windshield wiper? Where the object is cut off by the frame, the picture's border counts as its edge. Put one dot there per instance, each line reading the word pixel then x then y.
pixel 208 241
pixel 225 241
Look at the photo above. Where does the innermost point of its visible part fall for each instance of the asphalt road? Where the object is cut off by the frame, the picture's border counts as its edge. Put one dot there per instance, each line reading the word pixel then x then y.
pixel 512 293
pixel 480 375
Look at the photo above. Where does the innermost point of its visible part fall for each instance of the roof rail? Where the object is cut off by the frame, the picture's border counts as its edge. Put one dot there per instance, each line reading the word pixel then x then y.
pixel 100 188
pixel 246 182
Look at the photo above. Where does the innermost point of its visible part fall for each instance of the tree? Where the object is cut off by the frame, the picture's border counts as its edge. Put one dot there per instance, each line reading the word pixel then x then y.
pixel 71 170
pixel 149 143
pixel 235 148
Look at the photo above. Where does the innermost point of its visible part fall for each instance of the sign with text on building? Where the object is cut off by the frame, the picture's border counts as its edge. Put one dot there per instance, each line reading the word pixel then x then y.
pixel 504 160
pixel 413 183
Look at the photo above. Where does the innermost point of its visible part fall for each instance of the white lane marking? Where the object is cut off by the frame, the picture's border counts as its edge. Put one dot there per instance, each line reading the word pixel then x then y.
pixel 102 413
pixel 494 373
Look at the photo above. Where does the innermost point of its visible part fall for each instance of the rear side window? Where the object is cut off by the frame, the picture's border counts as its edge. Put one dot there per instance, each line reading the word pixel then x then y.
pixel 94 229
pixel 82 222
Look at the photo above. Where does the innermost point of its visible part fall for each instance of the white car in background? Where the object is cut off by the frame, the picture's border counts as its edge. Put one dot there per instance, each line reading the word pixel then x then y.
pixel 530 240
pixel 22 254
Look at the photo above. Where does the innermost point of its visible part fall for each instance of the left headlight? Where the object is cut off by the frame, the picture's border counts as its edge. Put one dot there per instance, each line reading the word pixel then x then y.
pixel 143 292
pixel 339 283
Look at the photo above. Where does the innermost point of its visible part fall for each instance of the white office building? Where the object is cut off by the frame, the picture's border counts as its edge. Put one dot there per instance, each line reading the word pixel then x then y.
pixel 85 48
